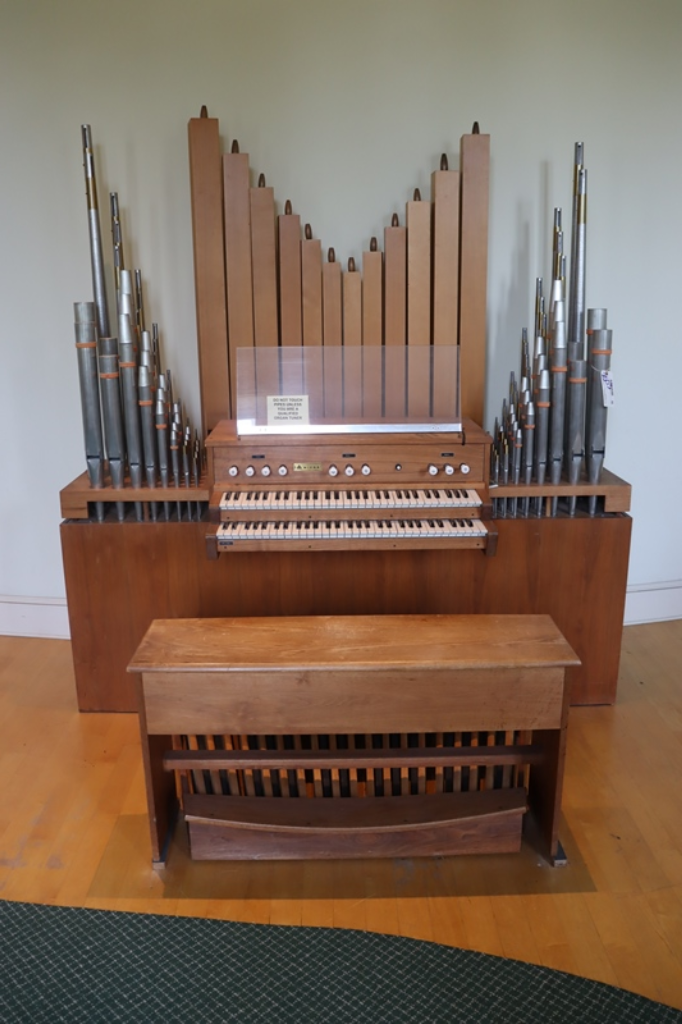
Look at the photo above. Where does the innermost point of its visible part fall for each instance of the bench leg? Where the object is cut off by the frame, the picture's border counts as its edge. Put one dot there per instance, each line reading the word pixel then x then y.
pixel 545 787
pixel 162 801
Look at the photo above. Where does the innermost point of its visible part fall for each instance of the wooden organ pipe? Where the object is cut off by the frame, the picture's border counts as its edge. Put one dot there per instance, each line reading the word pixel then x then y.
pixel 332 336
pixel 395 314
pixel 206 188
pixel 238 262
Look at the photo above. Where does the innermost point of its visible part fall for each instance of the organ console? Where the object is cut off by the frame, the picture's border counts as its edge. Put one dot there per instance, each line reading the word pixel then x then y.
pixel 372 492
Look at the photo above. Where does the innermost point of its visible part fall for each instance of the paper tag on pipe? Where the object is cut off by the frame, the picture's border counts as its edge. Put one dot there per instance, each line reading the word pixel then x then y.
pixel 607 388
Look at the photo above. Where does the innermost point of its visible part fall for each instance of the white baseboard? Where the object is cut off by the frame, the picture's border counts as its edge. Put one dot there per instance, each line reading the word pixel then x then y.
pixel 34 616
pixel 48 617
pixel 653 602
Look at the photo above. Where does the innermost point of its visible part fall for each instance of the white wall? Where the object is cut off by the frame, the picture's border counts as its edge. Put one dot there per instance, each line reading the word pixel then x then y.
pixel 346 107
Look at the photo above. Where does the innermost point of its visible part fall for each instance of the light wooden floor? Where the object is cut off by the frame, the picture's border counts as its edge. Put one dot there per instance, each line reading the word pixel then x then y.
pixel 73 831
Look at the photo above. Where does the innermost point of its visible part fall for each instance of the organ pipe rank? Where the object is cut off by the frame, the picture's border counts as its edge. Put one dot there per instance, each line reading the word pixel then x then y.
pixel 132 426
pixel 553 422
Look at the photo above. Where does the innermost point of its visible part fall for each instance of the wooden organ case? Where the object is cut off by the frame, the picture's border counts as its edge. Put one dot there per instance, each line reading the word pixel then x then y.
pixel 262 281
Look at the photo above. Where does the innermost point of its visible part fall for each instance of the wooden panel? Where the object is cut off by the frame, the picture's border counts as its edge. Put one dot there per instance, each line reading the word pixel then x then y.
pixel 475 172
pixel 264 262
pixel 346 702
pixel 290 286
pixel 324 829
pixel 214 760
pixel 572 569
pixel 206 190
pixel 238 256
pixel 389 815
pixel 148 573
pixel 386 642
pixel 411 451
pixel 617 493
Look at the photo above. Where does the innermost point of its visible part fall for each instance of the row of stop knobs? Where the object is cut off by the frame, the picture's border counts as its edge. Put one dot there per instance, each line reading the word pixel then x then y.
pixel 348 470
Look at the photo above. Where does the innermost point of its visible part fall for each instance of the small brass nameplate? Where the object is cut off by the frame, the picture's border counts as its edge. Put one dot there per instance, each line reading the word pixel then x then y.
pixel 307 467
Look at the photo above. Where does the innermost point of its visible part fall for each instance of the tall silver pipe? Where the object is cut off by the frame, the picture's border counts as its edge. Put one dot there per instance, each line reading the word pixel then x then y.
pixel 139 302
pixel 597 411
pixel 186 462
pixel 596 321
pixel 558 313
pixel 539 304
pixel 131 406
pixel 558 370
pixel 196 467
pixel 504 472
pixel 558 263
pixel 575 449
pixel 148 428
pixel 572 283
pixel 542 413
pixel 111 413
pixel 96 260
pixel 528 426
pixel 156 349
pixel 126 299
pixel 162 440
pixel 117 240
pixel 576 311
pixel 175 441
pixel 85 327
pixel 517 453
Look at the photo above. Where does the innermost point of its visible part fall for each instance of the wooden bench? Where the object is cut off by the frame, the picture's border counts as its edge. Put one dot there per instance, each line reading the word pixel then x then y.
pixel 353 736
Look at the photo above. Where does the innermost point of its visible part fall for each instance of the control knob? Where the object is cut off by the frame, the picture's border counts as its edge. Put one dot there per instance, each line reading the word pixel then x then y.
pixel 250 471
pixel 282 471
pixel 333 471
pixel 349 471
pixel 465 468
pixel 266 471
pixel 366 470
pixel 449 469
pixel 433 470
pixel 233 471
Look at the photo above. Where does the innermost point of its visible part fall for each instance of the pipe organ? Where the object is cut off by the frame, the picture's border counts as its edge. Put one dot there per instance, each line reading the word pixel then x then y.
pixel 357 480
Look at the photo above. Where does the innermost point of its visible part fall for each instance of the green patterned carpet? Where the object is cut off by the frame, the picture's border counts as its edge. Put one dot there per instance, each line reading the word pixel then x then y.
pixel 63 964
